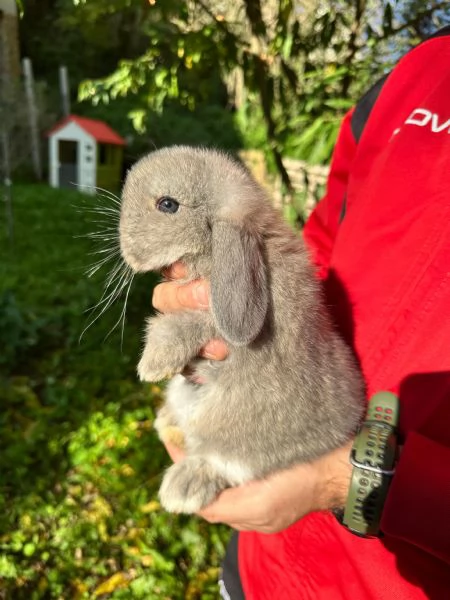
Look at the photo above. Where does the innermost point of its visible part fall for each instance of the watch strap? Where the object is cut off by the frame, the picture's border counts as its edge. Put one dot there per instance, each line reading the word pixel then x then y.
pixel 373 457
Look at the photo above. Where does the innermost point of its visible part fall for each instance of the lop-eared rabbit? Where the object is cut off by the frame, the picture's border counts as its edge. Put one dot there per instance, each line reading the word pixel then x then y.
pixel 290 389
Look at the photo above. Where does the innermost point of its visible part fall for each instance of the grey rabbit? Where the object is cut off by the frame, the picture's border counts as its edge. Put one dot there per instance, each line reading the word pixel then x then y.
pixel 290 389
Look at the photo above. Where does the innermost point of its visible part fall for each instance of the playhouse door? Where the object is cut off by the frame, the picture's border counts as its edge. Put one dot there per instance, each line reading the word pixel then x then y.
pixel 68 163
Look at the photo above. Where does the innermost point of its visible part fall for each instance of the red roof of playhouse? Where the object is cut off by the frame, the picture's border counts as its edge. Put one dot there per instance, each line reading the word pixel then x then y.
pixel 97 129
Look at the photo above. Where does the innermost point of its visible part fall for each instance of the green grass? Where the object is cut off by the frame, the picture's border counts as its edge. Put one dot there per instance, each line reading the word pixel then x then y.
pixel 80 463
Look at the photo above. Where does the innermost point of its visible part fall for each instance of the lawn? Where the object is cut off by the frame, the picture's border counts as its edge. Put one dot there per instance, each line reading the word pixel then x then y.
pixel 80 462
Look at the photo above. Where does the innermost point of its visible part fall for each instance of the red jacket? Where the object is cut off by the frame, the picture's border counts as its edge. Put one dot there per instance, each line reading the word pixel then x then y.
pixel 387 271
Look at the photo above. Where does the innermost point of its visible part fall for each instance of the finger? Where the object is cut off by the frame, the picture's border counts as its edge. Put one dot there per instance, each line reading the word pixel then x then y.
pixel 215 350
pixel 171 296
pixel 234 505
pixel 176 271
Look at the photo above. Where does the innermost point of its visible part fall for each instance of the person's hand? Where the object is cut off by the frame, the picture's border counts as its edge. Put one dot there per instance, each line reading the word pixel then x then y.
pixel 274 503
pixel 172 296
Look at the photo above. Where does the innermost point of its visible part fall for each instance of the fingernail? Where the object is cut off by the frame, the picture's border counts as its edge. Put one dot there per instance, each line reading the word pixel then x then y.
pixel 201 295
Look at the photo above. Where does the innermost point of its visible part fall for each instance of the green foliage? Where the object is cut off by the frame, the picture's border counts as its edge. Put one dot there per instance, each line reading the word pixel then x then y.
pixel 18 330
pixel 207 125
pixel 179 63
pixel 81 464
pixel 302 69
pixel 281 75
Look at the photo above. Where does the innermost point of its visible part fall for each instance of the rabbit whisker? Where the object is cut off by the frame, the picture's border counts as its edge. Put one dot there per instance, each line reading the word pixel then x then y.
pixel 116 272
pixel 108 194
pixel 100 236
pixel 115 276
pixel 92 269
pixel 111 214
pixel 105 223
pixel 113 250
pixel 125 310
pixel 121 319
pixel 108 300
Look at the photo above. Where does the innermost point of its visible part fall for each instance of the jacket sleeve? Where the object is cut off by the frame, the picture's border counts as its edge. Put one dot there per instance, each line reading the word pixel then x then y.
pixel 417 509
pixel 323 223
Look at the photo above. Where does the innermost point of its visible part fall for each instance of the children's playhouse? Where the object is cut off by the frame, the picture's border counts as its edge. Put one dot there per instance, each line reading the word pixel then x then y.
pixel 85 153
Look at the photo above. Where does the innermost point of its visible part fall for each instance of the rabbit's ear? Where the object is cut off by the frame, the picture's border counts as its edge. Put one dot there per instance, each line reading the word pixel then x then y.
pixel 239 289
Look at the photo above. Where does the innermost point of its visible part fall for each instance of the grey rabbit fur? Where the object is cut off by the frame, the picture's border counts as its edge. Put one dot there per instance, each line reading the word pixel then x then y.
pixel 290 389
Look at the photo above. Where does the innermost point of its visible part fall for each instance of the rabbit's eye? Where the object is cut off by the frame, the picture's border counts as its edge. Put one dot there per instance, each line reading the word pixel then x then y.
pixel 167 204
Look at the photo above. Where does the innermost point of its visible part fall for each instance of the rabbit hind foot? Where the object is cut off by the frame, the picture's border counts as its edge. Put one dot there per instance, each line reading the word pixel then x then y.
pixel 190 485
pixel 167 428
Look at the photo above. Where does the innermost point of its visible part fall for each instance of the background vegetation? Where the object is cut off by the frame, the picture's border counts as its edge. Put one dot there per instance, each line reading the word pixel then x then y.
pixel 80 464
pixel 273 74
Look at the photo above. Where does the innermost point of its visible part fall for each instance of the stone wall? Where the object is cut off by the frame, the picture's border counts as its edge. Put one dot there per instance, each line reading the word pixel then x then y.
pixel 308 180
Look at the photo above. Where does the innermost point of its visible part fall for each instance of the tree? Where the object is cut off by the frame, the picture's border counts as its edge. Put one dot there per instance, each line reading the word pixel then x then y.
pixel 294 65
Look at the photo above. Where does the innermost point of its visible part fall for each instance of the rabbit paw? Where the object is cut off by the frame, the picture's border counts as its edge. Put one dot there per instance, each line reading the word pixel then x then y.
pixel 172 341
pixel 149 370
pixel 190 485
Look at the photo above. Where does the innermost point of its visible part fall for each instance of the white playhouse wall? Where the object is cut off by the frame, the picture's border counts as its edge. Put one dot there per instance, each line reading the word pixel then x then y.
pixel 87 156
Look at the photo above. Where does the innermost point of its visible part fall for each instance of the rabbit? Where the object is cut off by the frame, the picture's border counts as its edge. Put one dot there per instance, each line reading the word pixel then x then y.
pixel 290 389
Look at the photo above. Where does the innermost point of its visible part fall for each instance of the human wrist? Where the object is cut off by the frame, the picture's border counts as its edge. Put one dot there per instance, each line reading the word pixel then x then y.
pixel 334 475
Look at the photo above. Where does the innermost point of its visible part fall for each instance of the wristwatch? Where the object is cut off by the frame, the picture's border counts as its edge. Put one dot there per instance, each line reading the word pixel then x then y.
pixel 373 456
